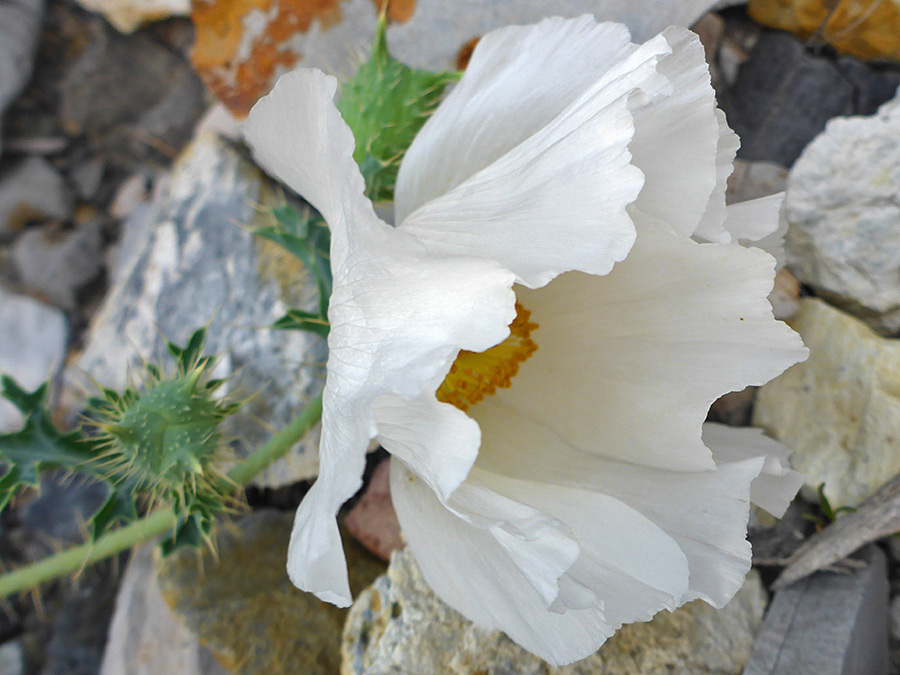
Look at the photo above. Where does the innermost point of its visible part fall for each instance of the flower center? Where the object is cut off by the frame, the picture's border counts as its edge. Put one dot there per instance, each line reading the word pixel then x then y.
pixel 475 375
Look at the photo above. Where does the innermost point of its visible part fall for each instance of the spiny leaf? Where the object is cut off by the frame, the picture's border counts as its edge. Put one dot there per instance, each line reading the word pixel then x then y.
pixel 385 104
pixel 298 319
pixel 38 446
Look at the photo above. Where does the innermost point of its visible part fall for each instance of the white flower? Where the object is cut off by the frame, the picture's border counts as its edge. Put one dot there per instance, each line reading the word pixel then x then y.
pixel 572 172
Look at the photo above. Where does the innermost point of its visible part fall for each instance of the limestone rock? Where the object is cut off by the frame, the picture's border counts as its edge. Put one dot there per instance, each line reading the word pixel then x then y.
pixel 128 15
pixel 839 411
pixel 242 47
pixel 244 608
pixel 32 190
pixel 187 260
pixel 399 626
pixel 145 637
pixel 861 28
pixel 33 340
pixel 843 210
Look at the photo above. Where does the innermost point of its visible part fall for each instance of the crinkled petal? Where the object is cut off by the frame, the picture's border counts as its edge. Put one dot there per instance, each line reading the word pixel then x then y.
pixel 677 137
pixel 777 484
pixel 398 314
pixel 703 512
pixel 476 574
pixel 712 226
pixel 528 74
pixel 509 210
pixel 628 364
pixel 757 222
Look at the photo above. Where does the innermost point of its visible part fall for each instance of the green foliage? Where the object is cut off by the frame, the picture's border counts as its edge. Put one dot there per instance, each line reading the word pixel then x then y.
pixel 157 443
pixel 306 237
pixel 38 446
pixel 385 104
pixel 828 510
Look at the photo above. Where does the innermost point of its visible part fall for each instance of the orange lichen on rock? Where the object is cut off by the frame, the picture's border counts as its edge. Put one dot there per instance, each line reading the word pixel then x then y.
pixel 398 11
pixel 241 46
pixel 867 29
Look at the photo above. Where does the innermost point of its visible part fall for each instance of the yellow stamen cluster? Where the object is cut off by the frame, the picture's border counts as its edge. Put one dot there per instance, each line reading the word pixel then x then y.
pixel 475 375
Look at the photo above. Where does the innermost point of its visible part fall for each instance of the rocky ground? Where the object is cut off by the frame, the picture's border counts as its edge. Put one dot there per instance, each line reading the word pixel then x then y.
pixel 125 202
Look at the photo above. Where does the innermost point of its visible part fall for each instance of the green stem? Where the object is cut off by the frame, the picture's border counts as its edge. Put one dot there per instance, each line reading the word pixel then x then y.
pixel 158 522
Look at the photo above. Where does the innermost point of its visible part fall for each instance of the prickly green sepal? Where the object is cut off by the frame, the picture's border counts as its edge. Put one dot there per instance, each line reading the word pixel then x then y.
pixel 385 104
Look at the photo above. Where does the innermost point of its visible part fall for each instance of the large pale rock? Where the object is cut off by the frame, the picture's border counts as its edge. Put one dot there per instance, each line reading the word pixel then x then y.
pixel 843 211
pixel 33 340
pixel 188 260
pixel 839 411
pixel 868 29
pixel 399 626
pixel 128 15
pixel 242 47
pixel 242 606
pixel 145 636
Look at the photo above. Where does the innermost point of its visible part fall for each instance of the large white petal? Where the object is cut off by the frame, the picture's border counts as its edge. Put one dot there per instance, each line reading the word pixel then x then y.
pixel 628 364
pixel 777 484
pixel 398 314
pixel 510 210
pixel 703 512
pixel 757 222
pixel 677 138
pixel 476 574
pixel 519 79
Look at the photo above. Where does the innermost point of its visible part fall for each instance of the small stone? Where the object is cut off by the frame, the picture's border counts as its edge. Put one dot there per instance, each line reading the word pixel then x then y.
pixel 839 411
pixel 56 265
pixel 145 637
pixel 128 15
pixel 373 520
pixel 711 29
pixel 785 295
pixel 151 97
pixel 131 192
pixel 20 31
pixel 188 259
pixel 12 661
pixel 828 624
pixel 242 606
pixel 866 29
pixel 88 176
pixel 734 408
pixel 58 515
pixel 32 190
pixel 769 105
pixel 399 626
pixel 843 210
pixel 33 341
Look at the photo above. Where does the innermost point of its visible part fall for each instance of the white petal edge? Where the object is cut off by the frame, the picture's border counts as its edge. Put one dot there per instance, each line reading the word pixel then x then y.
pixel 712 226
pixel 777 484
pixel 758 222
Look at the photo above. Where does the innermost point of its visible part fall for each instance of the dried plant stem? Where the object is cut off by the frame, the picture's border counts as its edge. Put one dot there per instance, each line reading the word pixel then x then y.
pixel 157 523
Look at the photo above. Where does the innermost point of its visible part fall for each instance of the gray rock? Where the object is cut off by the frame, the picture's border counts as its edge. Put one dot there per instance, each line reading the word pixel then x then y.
pixel 188 260
pixel 784 94
pixel 145 636
pixel 58 515
pixel 56 265
pixel 31 190
pixel 241 604
pixel 12 661
pixel 399 626
pixel 33 341
pixel 843 210
pixel 87 177
pixel 80 627
pixel 838 412
pixel 150 96
pixel 20 30
pixel 828 624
